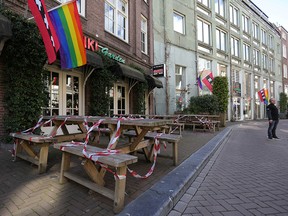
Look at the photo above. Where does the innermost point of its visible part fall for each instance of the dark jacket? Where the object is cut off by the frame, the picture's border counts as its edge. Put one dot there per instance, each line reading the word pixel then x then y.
pixel 272 112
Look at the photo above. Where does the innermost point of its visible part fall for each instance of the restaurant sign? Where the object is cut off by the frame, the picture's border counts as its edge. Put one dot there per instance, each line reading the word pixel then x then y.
pixel 93 45
pixel 158 70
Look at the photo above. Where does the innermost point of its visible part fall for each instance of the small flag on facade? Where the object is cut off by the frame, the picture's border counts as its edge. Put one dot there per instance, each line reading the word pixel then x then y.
pixel 50 40
pixel 208 80
pixel 199 80
pixel 68 27
pixel 263 95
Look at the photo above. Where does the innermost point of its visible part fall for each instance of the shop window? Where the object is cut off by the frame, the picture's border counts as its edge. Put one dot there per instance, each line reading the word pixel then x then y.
pixel 181 88
pixel 63 94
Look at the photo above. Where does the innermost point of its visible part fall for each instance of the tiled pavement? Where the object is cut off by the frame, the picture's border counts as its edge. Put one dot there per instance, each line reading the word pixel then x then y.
pixel 24 192
pixel 248 175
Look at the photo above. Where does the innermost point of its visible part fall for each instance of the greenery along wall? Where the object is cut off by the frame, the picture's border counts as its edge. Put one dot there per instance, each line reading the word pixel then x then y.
pixel 24 57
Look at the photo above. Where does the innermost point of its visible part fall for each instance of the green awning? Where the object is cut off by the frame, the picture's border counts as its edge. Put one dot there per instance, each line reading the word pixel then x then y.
pixel 153 82
pixel 132 73
pixel 94 59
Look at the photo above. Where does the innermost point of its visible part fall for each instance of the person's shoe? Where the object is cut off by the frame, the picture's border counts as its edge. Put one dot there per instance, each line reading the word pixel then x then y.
pixel 276 138
pixel 269 138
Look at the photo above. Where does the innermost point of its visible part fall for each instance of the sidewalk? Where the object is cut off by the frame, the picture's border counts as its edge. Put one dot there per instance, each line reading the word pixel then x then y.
pixel 24 192
pixel 248 175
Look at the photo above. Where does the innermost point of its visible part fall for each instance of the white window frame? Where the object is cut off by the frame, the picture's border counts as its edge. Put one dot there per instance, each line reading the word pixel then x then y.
pixel 246 52
pixel 271 41
pixel 245 23
pixel 220 7
pixel 284 51
pixel 112 18
pixel 264 37
pixel 264 61
pixel 235 46
pixel 255 28
pixel 178 22
pixel 205 2
pixel 204 31
pixel 221 40
pixel 81 5
pixel 256 57
pixel 271 64
pixel 234 15
pixel 285 75
pixel 144 35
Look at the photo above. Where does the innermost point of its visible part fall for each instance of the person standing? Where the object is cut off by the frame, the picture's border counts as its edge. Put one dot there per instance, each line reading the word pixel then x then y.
pixel 273 118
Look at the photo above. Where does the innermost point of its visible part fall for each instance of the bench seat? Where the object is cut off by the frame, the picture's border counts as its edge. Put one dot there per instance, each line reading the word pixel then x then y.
pixel 27 145
pixel 96 172
pixel 169 138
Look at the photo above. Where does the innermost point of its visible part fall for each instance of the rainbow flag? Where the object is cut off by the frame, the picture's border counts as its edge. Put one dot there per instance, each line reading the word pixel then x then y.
pixel 66 22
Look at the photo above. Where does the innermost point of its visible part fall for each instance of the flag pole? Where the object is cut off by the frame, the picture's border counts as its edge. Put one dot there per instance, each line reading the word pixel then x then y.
pixel 54 8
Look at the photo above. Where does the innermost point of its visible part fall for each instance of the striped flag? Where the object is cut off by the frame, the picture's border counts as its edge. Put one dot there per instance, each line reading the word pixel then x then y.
pixel 50 40
pixel 207 80
pixel 199 80
pixel 68 27
pixel 263 95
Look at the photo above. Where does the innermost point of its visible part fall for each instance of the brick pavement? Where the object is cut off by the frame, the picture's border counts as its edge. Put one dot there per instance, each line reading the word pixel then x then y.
pixel 248 175
pixel 24 192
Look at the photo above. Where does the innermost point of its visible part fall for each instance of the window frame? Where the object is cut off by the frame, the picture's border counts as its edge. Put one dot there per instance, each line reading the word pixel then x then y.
pixel 118 30
pixel 219 6
pixel 144 35
pixel 183 23
pixel 246 52
pixel 235 45
pixel 202 32
pixel 219 40
pixel 234 15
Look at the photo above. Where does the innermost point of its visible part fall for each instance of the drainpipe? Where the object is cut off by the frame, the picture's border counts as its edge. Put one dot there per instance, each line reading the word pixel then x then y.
pixel 165 60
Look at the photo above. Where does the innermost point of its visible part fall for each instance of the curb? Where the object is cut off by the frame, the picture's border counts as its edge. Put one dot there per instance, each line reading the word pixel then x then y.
pixel 160 199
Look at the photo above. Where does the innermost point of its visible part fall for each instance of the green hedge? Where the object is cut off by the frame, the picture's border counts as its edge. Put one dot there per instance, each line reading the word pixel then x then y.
pixel 204 104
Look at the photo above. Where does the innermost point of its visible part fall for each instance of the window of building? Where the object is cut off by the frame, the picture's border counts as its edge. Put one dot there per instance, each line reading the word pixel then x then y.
pixel 264 61
pixel 80 5
pixel 284 35
pixel 221 38
pixel 234 15
pixel 246 52
pixel 271 64
pixel 205 2
pixel 221 70
pixel 271 41
pixel 284 51
pixel 180 87
pixel 256 57
pixel 285 75
pixel 204 31
pixel 264 36
pixel 220 7
pixel 64 94
pixel 179 22
pixel 144 43
pixel 245 23
pixel 234 47
pixel 116 18
pixel 255 28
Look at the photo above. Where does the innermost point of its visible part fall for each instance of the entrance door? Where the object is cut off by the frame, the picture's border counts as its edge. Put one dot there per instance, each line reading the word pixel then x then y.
pixel 118 99
pixel 64 95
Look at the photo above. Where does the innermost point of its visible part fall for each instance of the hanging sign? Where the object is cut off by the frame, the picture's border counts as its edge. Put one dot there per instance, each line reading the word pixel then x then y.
pixel 158 70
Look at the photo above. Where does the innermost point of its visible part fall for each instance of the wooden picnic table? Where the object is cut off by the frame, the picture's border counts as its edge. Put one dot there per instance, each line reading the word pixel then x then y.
pixel 61 132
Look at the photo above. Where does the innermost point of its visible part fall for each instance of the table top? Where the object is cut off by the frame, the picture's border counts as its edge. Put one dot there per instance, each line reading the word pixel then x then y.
pixel 109 120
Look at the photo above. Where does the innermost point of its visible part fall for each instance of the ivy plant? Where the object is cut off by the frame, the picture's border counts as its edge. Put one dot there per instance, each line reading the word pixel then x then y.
pixel 24 57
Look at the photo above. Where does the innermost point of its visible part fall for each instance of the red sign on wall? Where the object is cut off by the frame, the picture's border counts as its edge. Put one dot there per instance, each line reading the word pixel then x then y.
pixel 158 70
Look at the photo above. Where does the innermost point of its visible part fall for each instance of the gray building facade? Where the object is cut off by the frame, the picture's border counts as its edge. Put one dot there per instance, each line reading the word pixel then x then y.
pixel 228 38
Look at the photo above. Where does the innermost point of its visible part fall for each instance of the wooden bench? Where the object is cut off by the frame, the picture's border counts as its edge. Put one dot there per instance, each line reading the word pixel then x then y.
pixel 27 148
pixel 176 126
pixel 170 138
pixel 96 174
pixel 201 122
